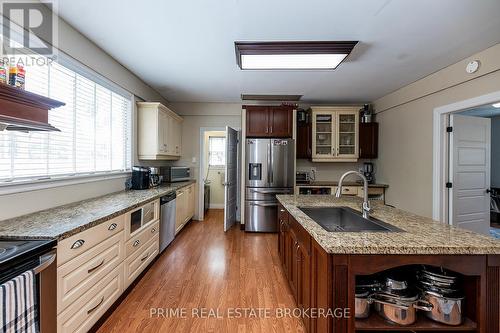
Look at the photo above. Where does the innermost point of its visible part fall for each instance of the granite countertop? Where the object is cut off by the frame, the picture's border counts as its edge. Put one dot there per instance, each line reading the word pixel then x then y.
pixel 64 221
pixel 336 183
pixel 420 235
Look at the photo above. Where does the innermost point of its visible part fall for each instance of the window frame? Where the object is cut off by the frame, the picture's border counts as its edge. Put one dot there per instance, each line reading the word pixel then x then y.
pixel 216 166
pixel 33 184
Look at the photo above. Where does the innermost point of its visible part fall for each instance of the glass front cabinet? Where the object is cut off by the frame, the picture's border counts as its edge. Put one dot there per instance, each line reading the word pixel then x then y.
pixel 335 133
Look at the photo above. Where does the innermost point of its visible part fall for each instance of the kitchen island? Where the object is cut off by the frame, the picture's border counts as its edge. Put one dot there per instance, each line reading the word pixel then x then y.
pixel 322 266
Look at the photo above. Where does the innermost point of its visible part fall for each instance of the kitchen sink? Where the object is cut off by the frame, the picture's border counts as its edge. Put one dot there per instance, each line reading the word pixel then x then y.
pixel 345 219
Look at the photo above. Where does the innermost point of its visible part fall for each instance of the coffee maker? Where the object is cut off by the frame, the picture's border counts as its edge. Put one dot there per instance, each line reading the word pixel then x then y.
pixel 368 172
pixel 140 178
pixel 154 176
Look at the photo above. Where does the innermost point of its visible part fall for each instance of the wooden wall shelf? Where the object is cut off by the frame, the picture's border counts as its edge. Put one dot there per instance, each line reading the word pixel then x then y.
pixel 24 109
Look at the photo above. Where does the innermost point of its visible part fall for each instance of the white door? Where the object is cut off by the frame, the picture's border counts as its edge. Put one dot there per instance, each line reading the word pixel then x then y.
pixel 470 145
pixel 231 178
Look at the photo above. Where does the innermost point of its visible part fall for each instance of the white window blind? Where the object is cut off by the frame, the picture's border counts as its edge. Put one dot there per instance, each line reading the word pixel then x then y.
pixel 216 151
pixel 94 124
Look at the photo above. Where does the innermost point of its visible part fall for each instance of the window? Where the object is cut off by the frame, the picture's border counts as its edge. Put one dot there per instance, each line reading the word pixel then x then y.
pixel 217 151
pixel 94 124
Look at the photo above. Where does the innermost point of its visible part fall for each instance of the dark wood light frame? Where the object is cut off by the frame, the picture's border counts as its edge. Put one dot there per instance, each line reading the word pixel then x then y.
pixel 293 47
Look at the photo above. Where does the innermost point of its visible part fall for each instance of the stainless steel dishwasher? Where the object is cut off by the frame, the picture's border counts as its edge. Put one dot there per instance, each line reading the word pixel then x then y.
pixel 167 219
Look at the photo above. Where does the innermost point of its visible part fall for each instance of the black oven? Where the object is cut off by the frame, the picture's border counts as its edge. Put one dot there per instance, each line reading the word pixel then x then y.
pixel 39 256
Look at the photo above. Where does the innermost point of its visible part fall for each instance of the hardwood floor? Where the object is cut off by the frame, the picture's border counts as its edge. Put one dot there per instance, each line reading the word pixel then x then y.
pixel 205 268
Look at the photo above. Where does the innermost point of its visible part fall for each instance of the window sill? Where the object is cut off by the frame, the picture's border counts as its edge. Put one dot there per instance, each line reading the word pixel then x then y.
pixel 41 184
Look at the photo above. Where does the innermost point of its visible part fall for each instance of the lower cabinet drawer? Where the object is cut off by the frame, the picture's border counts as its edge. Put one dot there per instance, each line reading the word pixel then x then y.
pixel 138 261
pixel 135 243
pixel 75 245
pixel 80 274
pixel 85 311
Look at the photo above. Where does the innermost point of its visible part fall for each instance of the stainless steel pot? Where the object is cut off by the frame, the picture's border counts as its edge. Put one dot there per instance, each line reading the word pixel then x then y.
pixel 362 304
pixel 399 310
pixel 446 309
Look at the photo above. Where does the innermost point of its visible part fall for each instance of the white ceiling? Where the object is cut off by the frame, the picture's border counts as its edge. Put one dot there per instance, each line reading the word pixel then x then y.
pixel 185 48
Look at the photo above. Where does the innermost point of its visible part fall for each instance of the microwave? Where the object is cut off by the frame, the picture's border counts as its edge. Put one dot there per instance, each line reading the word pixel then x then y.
pixel 175 174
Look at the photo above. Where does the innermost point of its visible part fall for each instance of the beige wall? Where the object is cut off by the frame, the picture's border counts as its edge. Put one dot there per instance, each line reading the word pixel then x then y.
pixel 406 125
pixel 202 115
pixel 82 49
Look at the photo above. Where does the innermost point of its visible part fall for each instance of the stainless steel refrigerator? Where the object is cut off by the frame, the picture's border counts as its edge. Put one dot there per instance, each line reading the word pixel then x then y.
pixel 269 171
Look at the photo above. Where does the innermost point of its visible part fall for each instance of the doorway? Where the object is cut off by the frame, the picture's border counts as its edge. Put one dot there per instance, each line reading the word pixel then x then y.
pixel 220 173
pixel 214 163
pixel 468 167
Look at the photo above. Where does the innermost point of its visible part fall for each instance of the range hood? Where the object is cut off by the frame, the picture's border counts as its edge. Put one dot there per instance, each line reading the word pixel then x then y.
pixel 22 125
pixel 24 111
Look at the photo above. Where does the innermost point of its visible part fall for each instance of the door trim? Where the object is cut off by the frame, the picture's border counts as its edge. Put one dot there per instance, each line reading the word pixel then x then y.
pixel 440 150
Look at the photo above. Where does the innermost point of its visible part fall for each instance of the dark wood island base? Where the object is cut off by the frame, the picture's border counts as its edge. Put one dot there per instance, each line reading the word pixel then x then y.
pixel 326 282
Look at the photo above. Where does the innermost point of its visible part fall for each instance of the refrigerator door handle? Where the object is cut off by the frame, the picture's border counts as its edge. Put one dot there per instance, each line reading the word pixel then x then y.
pixel 270 191
pixel 264 204
pixel 269 164
pixel 271 175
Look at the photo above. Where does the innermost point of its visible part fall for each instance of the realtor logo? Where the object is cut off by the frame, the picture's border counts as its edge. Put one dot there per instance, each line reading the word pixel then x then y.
pixel 27 27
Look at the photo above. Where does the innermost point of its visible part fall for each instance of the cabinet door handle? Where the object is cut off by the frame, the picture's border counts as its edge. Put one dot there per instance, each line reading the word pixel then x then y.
pixel 146 257
pixel 95 307
pixel 112 226
pixel 79 243
pixel 90 270
pixel 136 243
pixel 153 230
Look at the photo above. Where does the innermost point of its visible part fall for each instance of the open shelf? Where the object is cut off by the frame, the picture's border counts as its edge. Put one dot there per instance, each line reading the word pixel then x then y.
pixel 376 323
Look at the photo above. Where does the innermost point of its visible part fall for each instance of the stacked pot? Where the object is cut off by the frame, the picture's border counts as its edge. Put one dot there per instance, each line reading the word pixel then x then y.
pixel 442 289
pixel 397 299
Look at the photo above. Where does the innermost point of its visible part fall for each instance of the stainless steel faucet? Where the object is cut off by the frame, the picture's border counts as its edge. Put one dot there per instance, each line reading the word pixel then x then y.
pixel 366 204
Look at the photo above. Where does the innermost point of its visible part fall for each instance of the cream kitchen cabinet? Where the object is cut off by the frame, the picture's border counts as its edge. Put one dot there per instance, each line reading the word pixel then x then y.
pixel 184 206
pixel 95 266
pixel 335 131
pixel 159 132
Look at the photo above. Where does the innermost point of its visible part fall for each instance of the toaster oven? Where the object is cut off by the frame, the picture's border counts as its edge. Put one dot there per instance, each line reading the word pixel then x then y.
pixel 176 174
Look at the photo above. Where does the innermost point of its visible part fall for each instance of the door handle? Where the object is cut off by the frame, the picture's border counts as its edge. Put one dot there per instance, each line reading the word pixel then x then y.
pixel 77 244
pixel 271 179
pixel 95 307
pixel 488 190
pixel 47 260
pixel 90 270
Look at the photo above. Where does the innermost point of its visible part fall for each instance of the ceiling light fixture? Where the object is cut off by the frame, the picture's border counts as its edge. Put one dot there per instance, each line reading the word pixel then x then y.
pixel 292 55
pixel 496 105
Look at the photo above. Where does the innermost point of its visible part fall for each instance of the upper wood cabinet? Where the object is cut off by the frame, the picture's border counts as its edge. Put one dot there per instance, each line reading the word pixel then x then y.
pixel 304 137
pixel 269 121
pixel 368 140
pixel 159 132
pixel 335 131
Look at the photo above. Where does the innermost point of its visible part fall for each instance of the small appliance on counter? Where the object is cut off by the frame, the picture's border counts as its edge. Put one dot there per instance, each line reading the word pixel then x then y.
pixel 140 178
pixel 368 172
pixel 154 176
pixel 302 177
pixel 174 174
